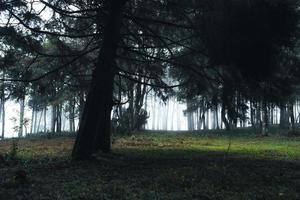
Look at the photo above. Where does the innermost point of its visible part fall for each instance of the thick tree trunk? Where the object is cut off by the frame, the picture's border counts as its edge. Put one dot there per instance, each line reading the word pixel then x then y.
pixel 95 126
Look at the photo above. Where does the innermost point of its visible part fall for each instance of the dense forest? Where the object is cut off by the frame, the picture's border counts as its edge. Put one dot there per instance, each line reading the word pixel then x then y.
pixel 99 69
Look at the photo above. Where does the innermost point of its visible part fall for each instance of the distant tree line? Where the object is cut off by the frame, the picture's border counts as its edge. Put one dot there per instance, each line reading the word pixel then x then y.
pixel 97 56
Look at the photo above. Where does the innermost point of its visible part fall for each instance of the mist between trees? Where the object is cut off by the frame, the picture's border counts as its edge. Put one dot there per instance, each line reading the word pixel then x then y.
pixel 105 63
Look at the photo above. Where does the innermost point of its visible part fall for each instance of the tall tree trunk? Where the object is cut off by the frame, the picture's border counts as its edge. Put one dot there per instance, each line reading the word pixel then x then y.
pixel 166 116
pixel 207 119
pixel 264 118
pixel 189 113
pixel 224 119
pixel 3 118
pixel 284 117
pixel 204 121
pixel 81 106
pixel 45 119
pixel 2 137
pixel 21 122
pixel 35 121
pixel 53 118
pixel 71 115
pixel 216 117
pixel 39 123
pixel 292 118
pixel 3 104
pixel 95 126
pixel 58 118
pixel 153 111
pixel 252 115
pixel 32 119
pixel 258 115
pixel 271 114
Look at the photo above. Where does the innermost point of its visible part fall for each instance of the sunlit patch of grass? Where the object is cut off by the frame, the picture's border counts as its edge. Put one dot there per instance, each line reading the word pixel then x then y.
pixel 275 147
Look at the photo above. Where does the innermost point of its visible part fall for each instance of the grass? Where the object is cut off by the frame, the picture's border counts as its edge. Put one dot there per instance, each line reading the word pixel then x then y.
pixel 156 166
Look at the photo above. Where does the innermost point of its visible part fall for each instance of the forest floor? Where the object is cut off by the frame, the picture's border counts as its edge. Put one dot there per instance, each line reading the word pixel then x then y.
pixel 154 166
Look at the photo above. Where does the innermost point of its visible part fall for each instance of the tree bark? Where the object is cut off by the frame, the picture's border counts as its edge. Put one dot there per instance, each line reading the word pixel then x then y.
pixel 95 126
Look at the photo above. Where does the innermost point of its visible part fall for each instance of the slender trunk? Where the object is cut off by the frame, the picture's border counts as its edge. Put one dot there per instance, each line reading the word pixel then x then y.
pixel 32 119
pixel 292 118
pixel 45 119
pixel 172 117
pixel 264 119
pixel 3 104
pixel 272 115
pixel 284 117
pixel 224 119
pixel 58 118
pixel 153 112
pixel 204 121
pixel 166 117
pixel 71 116
pixel 81 106
pixel 2 137
pixel 207 118
pixel 53 118
pixel 252 114
pixel 190 119
pixel 95 126
pixel 21 124
pixel 258 115
pixel 199 118
pixel 216 117
pixel 35 121
pixel 3 118
pixel 39 123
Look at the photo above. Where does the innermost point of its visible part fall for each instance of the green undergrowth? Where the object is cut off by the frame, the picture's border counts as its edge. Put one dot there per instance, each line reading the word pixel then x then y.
pixel 155 165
